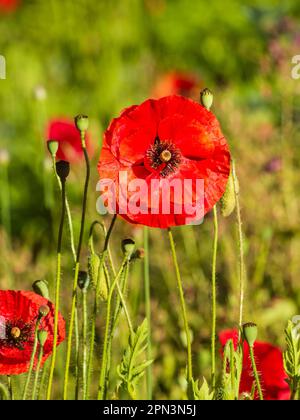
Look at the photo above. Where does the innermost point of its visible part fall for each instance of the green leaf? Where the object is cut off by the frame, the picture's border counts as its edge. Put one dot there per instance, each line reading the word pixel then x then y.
pixel 133 365
pixel 203 392
pixel 291 357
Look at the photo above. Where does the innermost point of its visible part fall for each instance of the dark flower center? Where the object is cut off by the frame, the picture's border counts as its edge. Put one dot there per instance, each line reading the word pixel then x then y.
pixel 164 157
pixel 17 334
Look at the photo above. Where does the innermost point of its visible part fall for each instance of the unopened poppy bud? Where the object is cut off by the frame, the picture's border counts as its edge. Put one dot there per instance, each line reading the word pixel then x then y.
pixel 63 169
pixel 44 310
pixel 83 280
pixel 250 333
pixel 40 287
pixel 206 98
pixel 42 337
pixel 228 200
pixel 82 122
pixel 93 267
pixel 52 147
pixel 128 247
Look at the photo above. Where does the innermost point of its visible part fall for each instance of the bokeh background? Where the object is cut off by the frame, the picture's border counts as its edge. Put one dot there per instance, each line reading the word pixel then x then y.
pixel 99 56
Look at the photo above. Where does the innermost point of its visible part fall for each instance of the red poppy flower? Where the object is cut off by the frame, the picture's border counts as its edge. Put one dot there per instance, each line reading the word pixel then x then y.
pixel 8 5
pixel 177 83
pixel 159 143
pixel 65 132
pixel 269 362
pixel 18 314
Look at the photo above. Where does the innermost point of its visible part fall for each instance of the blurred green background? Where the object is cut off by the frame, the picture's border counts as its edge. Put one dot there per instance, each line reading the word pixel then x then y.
pixel 96 57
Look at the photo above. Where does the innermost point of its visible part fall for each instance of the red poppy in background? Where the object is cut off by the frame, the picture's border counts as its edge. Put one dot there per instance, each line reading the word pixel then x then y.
pixel 177 83
pixel 169 139
pixel 65 132
pixel 7 6
pixel 269 362
pixel 19 311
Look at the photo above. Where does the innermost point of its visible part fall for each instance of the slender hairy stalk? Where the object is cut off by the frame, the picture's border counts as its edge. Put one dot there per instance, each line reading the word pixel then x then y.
pixel 57 288
pixel 183 309
pixel 93 326
pixel 214 300
pixel 148 311
pixel 241 248
pixel 101 388
pixel 256 376
pixel 68 211
pixel 10 387
pixel 74 288
pixel 32 357
pixel 84 343
pixel 72 245
pixel 96 299
pixel 37 372
pixel 121 303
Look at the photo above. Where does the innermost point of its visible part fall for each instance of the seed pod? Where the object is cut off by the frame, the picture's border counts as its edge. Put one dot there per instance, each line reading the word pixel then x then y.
pixel 44 310
pixel 40 287
pixel 250 333
pixel 206 98
pixel 52 147
pixel 82 122
pixel 42 337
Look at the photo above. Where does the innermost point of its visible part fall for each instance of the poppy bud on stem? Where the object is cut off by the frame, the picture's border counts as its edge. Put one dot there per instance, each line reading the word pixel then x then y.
pixel 52 147
pixel 250 335
pixel 206 98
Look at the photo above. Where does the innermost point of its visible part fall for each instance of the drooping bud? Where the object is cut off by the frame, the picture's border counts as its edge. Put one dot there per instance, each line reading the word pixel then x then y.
pixel 42 337
pixel 228 200
pixel 40 287
pixel 44 310
pixel 93 267
pixel 52 147
pixel 63 169
pixel 206 98
pixel 82 122
pixel 128 247
pixel 250 333
pixel 83 280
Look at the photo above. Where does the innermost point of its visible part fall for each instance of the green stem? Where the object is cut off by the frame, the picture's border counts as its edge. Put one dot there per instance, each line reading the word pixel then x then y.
pixel 74 289
pixel 183 308
pixel 214 300
pixel 241 248
pixel 93 326
pixel 32 357
pixel 96 299
pixel 10 387
pixel 4 392
pixel 70 334
pixel 101 388
pixel 84 343
pixel 37 372
pixel 256 377
pixel 57 290
pixel 148 311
